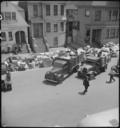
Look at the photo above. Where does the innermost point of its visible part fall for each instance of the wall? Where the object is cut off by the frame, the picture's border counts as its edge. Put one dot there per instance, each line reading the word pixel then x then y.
pixel 12 26
pixel 51 19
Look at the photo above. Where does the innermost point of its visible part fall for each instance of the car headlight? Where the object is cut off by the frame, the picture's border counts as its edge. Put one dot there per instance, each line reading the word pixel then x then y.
pixel 58 75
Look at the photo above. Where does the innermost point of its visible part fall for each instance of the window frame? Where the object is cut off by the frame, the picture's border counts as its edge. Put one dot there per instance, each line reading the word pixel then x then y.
pixel 112 33
pixel 36 30
pixel 13 16
pixel 62 11
pixel 87 12
pixel 7 16
pixel 98 14
pixel 56 41
pixel 10 36
pixel 48 10
pixel 48 25
pixel 55 27
pixel 55 10
pixel 62 26
pixel 35 10
pixel 3 39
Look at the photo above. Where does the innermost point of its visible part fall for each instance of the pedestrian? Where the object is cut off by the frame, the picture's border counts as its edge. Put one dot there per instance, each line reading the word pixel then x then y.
pixel 111 74
pixel 86 84
pixel 8 85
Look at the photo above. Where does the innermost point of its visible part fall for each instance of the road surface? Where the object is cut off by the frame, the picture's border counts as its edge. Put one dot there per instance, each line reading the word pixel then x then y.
pixel 32 102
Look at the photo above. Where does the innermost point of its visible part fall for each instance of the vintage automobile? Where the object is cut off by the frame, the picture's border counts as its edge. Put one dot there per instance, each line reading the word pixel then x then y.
pixel 62 68
pixel 92 67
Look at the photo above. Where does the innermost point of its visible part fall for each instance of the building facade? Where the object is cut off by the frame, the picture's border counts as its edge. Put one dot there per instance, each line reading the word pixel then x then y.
pixel 13 27
pixel 91 22
pixel 47 22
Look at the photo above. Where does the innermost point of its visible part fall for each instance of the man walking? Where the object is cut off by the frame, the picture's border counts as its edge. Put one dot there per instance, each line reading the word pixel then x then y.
pixel 111 74
pixel 86 84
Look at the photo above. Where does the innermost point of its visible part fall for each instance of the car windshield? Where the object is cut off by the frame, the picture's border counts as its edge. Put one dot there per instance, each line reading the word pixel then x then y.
pixel 91 62
pixel 59 63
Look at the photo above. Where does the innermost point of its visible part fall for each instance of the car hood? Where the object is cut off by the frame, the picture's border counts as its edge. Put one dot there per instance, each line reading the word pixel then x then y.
pixel 55 70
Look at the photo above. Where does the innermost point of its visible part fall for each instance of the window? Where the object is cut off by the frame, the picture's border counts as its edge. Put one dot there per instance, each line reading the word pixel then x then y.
pixel 38 30
pixel 55 27
pixel 10 36
pixel 98 15
pixel 62 26
pixel 55 10
pixel 13 16
pixel 76 25
pixel 55 42
pixel 2 14
pixel 47 10
pixel 113 15
pixel 112 33
pixel 87 13
pixel 3 35
pixel 48 27
pixel 62 10
pixel 35 10
pixel 107 33
pixel 7 16
pixel 40 10
pixel 110 14
pixel 117 33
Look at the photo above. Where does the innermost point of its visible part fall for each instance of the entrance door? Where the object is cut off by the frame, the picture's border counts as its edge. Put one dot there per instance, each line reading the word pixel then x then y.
pixel 20 38
pixel 96 36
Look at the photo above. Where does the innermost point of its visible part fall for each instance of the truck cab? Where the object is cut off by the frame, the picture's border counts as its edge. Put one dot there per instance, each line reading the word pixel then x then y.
pixel 91 67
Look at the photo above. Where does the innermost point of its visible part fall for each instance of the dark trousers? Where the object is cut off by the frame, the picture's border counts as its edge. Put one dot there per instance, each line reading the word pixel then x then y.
pixel 111 78
pixel 86 88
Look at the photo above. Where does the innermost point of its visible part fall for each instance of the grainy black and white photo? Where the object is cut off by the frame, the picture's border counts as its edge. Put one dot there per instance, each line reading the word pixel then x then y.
pixel 59 63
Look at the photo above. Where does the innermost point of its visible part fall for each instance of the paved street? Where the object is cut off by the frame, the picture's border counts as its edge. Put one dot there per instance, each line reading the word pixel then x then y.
pixel 32 102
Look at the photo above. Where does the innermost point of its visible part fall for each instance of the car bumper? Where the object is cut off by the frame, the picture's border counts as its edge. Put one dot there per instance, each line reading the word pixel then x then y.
pixel 52 80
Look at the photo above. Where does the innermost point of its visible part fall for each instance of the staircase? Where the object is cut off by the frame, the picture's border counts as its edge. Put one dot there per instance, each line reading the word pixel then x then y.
pixel 39 45
pixel 24 49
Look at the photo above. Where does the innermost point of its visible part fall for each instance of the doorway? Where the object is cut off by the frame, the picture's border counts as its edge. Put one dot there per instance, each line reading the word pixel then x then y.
pixel 96 37
pixel 20 38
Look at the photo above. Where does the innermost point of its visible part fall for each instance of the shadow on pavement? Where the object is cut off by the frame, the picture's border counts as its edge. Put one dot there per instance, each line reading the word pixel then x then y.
pixel 81 93
pixel 49 83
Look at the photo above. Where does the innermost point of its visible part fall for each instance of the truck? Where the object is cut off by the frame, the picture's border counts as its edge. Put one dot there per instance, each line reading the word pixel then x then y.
pixel 62 67
pixel 92 66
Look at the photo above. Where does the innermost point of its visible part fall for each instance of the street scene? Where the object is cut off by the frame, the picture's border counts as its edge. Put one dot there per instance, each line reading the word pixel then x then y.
pixel 59 66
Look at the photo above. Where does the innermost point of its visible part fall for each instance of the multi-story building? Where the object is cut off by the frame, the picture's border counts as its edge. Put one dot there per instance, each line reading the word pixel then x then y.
pixel 47 22
pixel 91 22
pixel 13 27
